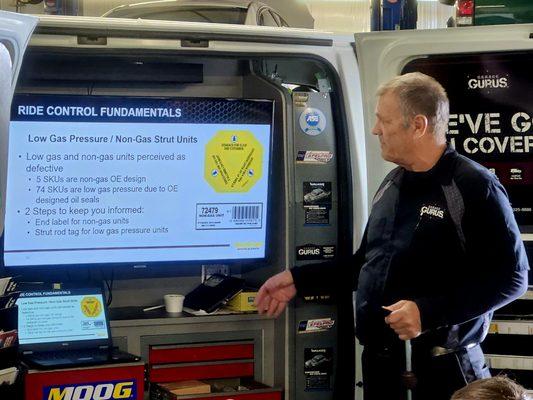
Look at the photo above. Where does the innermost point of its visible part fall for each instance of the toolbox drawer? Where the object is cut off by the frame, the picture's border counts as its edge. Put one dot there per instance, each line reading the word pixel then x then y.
pixel 223 389
pixel 161 354
pixel 181 372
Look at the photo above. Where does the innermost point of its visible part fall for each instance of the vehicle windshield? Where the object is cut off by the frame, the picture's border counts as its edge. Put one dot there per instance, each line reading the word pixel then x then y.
pixel 220 15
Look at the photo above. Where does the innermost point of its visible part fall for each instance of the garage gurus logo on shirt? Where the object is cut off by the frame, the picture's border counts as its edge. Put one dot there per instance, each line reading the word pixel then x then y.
pixel 431 210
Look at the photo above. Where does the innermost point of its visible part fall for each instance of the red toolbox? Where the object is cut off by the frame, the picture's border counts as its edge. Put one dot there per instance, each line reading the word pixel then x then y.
pixel 227 367
pixel 109 382
pixel 182 362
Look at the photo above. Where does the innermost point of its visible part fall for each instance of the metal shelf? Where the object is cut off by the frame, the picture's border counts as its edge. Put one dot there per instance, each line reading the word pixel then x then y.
pixel 509 362
pixel 511 327
pixel 528 295
pixel 527 237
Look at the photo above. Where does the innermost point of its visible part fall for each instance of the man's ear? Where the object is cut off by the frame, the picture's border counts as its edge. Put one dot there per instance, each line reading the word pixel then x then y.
pixel 420 125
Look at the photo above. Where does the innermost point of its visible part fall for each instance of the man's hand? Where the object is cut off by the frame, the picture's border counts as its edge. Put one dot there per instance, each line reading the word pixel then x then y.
pixel 404 319
pixel 275 293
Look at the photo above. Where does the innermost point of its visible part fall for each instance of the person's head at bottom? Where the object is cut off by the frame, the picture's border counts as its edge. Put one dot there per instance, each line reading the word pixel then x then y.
pixel 495 388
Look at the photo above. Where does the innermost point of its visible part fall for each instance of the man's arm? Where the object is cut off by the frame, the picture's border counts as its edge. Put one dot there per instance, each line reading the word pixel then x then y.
pixel 327 277
pixel 323 278
pixel 496 273
pixel 466 303
pixel 275 294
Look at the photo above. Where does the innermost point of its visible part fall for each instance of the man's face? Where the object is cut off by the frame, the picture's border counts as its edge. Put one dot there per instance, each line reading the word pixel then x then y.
pixel 396 140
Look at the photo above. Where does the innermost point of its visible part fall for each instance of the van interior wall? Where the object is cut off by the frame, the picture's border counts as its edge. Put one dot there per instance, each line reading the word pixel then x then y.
pixel 44 73
pixel 255 85
pixel 222 77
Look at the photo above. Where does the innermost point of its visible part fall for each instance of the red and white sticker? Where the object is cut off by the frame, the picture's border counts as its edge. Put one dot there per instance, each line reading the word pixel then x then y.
pixel 315 325
pixel 314 157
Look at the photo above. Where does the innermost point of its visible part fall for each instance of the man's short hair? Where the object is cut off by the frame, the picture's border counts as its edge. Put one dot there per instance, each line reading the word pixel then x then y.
pixel 420 94
pixel 495 388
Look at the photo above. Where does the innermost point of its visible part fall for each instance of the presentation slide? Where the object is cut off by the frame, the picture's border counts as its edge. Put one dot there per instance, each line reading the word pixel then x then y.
pixel 60 316
pixel 94 179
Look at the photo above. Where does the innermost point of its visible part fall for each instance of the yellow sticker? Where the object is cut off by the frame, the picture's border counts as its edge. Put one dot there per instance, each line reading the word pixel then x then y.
pixel 233 161
pixel 493 328
pixel 91 306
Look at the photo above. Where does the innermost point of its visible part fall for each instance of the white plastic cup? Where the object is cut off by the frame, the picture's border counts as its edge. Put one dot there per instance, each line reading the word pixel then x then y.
pixel 174 303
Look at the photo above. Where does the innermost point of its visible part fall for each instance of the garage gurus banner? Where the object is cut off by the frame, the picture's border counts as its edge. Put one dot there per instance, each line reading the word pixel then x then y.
pixel 491 116
pixel 490 133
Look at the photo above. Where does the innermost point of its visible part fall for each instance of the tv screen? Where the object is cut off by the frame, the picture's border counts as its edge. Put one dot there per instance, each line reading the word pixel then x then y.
pixel 106 180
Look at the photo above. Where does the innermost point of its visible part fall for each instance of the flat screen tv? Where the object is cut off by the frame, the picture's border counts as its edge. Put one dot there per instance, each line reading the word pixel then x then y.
pixel 108 180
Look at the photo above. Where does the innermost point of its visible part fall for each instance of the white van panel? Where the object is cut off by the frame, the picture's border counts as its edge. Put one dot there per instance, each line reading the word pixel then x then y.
pixel 352 94
pixel 382 55
pixel 59 22
pixel 15 31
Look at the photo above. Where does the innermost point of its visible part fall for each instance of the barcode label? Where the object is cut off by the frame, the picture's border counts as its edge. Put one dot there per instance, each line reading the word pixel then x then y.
pixel 229 216
pixel 245 212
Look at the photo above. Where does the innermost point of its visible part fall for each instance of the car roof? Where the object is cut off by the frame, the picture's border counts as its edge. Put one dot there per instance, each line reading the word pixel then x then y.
pixel 181 3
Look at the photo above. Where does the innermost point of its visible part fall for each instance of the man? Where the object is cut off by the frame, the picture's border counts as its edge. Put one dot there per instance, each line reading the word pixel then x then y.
pixel 441 251
pixel 497 388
